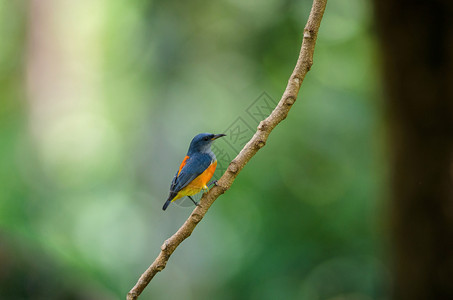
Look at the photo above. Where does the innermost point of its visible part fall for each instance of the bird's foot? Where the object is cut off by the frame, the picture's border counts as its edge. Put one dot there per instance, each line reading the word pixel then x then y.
pixel 194 202
pixel 214 182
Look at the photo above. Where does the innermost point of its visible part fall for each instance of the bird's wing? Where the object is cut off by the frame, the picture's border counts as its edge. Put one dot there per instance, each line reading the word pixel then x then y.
pixel 191 167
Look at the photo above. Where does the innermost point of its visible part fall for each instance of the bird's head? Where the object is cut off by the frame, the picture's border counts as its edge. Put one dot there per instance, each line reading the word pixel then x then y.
pixel 202 142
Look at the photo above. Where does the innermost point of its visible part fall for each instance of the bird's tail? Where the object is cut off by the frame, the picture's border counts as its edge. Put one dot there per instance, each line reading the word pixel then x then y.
pixel 170 198
pixel 167 203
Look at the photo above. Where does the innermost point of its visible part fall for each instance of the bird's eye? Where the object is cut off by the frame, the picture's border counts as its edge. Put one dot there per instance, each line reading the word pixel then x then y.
pixel 206 138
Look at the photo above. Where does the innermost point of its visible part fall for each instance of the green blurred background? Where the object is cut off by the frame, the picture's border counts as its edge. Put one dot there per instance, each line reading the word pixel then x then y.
pixel 98 103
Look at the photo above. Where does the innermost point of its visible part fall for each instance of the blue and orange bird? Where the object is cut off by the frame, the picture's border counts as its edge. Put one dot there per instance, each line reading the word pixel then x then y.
pixel 195 170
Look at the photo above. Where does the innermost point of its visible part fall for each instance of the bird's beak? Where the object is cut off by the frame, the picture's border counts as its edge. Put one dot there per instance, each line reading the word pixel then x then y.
pixel 216 136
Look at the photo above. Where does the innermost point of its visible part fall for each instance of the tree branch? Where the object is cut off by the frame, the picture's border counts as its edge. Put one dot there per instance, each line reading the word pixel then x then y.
pixel 259 139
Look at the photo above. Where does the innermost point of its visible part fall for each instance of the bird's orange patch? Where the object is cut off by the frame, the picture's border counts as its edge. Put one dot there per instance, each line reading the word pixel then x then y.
pixel 183 164
pixel 204 177
pixel 196 185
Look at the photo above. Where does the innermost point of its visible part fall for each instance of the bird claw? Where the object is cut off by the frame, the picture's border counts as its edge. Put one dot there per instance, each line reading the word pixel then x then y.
pixel 214 182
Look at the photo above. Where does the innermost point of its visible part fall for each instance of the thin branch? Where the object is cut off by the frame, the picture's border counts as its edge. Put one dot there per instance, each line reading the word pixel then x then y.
pixel 259 139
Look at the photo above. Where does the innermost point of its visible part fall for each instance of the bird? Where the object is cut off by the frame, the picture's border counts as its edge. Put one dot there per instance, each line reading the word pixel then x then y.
pixel 196 169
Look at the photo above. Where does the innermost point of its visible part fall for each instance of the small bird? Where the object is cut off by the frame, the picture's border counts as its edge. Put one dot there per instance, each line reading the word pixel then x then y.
pixel 195 170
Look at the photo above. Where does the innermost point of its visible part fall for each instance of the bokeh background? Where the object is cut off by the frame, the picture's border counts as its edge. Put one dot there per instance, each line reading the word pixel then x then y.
pixel 98 103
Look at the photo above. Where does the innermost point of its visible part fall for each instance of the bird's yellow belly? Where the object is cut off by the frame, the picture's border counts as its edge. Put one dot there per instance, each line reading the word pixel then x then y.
pixel 199 183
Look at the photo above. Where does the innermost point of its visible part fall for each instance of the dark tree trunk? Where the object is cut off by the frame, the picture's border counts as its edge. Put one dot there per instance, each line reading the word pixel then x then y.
pixel 416 39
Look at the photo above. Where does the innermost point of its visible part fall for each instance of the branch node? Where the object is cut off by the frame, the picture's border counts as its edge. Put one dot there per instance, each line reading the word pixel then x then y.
pixel 160 267
pixel 297 80
pixel 260 144
pixel 164 245
pixel 309 64
pixel 263 126
pixel 233 168
pixel 308 33
pixel 290 100
pixel 196 217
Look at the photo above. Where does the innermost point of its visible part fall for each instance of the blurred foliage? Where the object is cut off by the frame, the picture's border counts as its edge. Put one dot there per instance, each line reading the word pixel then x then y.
pixel 98 103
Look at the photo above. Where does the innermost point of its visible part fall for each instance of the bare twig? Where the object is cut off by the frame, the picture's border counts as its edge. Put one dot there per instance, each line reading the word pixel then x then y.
pixel 265 127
